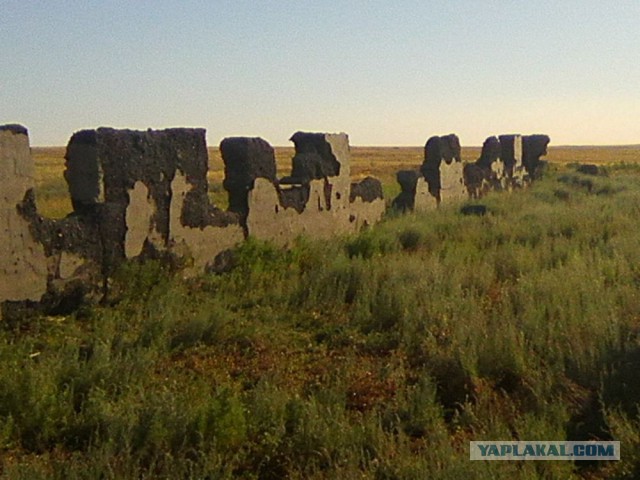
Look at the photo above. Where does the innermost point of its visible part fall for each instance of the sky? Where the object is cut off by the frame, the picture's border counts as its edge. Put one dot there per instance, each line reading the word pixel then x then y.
pixel 386 73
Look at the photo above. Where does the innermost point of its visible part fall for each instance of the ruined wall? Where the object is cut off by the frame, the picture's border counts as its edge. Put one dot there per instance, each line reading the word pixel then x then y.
pixel 534 147
pixel 366 203
pixel 439 179
pixel 150 188
pixel 506 162
pixel 487 172
pixel 511 155
pixel 245 159
pixel 134 194
pixel 408 180
pixel 317 199
pixel 42 260
pixel 452 187
pixel 144 194
pixel 424 200
pixel 23 266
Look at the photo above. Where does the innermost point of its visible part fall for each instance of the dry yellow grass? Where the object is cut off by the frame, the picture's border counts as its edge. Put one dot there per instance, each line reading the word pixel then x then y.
pixel 51 188
pixel 595 154
pixel 380 162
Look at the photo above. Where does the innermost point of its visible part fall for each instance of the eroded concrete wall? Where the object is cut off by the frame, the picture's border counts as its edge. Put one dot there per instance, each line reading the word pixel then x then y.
pixel 424 200
pixel 439 179
pixel 440 151
pixel 138 219
pixel 501 165
pixel 487 172
pixel 42 260
pixel 138 194
pixel 506 162
pixel 83 171
pixel 134 194
pixel 511 154
pixel 534 147
pixel 199 244
pixel 245 159
pixel 151 188
pixel 142 194
pixel 23 265
pixel 452 188
pixel 317 199
pixel 367 204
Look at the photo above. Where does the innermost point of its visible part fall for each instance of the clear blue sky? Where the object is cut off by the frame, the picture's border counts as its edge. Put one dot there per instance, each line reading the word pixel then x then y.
pixel 387 73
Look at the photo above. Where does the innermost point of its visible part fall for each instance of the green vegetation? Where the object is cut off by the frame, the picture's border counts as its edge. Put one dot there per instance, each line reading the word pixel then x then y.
pixel 376 356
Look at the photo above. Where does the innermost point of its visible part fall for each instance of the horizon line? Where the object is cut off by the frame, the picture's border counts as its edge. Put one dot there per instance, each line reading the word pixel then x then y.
pixel 564 145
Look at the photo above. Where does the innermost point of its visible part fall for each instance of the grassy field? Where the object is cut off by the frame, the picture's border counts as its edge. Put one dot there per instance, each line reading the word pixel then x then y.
pixel 380 162
pixel 375 356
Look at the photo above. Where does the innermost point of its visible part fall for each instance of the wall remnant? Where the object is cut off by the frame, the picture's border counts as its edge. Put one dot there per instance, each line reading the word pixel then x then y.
pixel 439 179
pixel 511 156
pixel 150 188
pixel 317 198
pixel 506 162
pixel 487 172
pixel 144 194
pixel 534 147
pixel 588 169
pixel 245 159
pixel 366 203
pixel 442 170
pixel 23 264
pixel 408 180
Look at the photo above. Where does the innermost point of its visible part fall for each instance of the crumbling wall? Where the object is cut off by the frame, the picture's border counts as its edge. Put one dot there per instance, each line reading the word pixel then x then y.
pixel 442 169
pixel 534 147
pixel 487 172
pixel 436 151
pixel 245 159
pixel 150 187
pixel 439 180
pixel 408 180
pixel 505 162
pixel 424 200
pixel 53 262
pixel 203 241
pixel 366 203
pixel 511 155
pixel 23 265
pixel 500 166
pixel 452 187
pixel 317 199
pixel 133 194
pixel 139 194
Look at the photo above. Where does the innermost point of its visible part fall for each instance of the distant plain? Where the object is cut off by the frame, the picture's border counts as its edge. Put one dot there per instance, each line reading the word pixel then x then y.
pixel 380 162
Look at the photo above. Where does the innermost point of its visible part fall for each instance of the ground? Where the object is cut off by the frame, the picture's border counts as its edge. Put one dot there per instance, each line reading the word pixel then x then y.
pixel 374 356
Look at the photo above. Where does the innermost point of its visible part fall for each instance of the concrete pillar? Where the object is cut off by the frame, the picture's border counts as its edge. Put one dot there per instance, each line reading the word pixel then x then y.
pixel 23 266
